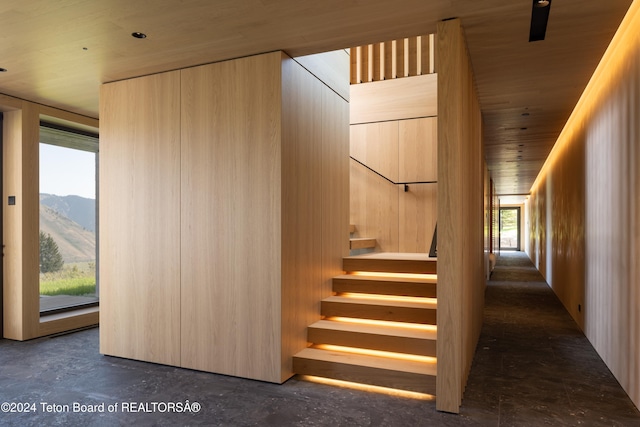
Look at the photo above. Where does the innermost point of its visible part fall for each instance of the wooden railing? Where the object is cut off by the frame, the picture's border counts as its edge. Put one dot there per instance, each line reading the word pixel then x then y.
pixel 413 56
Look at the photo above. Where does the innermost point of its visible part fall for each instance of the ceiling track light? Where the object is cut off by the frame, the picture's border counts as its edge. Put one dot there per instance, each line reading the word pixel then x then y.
pixel 3 70
pixel 139 35
pixel 540 10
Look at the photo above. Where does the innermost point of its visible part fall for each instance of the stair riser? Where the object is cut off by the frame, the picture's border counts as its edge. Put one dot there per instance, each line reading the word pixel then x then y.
pixel 375 312
pixel 366 375
pixel 427 290
pixel 390 266
pixel 422 347
pixel 362 244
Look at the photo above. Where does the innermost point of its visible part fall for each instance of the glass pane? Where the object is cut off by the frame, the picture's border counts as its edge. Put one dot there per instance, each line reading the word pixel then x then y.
pixel 509 229
pixel 67 228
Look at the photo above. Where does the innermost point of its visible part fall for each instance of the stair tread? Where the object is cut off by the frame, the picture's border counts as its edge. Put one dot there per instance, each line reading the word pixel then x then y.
pixel 427 304
pixel 396 331
pixel 432 279
pixel 376 362
pixel 394 256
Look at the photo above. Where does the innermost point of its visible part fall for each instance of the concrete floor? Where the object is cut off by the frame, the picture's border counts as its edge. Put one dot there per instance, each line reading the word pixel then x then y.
pixel 532 367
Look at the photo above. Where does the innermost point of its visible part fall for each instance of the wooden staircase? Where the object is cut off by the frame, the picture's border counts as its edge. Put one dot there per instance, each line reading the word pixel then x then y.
pixel 380 326
pixel 360 242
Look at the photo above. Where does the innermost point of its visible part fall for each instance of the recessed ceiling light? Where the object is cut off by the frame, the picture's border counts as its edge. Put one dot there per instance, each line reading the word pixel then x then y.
pixel 139 35
pixel 3 70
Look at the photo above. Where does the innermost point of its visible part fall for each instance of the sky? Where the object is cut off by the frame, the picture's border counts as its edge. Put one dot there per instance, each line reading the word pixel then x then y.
pixel 65 171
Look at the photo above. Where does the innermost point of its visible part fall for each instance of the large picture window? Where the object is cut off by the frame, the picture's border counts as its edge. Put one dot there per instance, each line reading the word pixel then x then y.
pixel 68 219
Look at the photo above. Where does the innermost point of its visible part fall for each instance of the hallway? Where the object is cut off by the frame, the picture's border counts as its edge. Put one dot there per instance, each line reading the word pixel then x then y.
pixel 532 367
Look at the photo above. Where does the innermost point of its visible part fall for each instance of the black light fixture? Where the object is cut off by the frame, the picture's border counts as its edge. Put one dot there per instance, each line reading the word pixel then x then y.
pixel 539 18
pixel 139 35
pixel 3 70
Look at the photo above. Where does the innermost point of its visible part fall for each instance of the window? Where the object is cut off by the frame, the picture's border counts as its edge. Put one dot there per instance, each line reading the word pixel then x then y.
pixel 68 219
pixel 510 229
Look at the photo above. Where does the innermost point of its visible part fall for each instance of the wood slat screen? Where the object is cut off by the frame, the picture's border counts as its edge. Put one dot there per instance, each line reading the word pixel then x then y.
pixel 412 56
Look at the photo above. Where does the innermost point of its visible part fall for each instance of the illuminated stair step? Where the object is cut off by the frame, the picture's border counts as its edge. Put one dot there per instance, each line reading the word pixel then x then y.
pixel 373 370
pixel 372 284
pixel 366 308
pixel 374 337
pixel 391 262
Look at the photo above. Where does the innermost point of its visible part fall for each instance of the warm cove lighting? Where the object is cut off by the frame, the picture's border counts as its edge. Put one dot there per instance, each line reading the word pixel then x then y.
pixel 378 353
pixel 396 275
pixel 613 63
pixel 390 298
pixel 369 388
pixel 418 326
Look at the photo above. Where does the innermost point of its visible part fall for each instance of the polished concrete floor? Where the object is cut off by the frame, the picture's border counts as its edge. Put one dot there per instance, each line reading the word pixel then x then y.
pixel 532 367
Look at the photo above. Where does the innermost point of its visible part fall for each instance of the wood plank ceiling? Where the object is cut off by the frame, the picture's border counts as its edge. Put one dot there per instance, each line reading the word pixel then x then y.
pixel 58 53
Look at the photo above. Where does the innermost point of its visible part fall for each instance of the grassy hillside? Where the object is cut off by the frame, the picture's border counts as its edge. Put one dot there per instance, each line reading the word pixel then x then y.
pixel 75 243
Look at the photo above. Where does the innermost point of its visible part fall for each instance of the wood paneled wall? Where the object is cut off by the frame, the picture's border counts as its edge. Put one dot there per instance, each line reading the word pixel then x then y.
pixel 584 211
pixel 402 151
pixel 394 99
pixel 460 217
pixel 21 134
pixel 254 221
pixel 140 219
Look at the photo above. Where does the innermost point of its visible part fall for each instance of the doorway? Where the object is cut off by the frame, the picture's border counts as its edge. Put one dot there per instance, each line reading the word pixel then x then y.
pixel 510 228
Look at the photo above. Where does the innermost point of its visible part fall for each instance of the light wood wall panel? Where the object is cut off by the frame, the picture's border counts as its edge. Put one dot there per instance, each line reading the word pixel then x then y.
pixel 262 222
pixel 460 213
pixel 21 314
pixel 335 187
pixel 330 68
pixel 585 210
pixel 396 99
pixel 230 216
pixel 376 145
pixel 417 212
pixel 140 219
pixel 374 207
pixel 418 150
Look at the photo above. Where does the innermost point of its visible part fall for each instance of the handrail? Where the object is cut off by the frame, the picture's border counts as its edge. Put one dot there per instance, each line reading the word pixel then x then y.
pixel 394 183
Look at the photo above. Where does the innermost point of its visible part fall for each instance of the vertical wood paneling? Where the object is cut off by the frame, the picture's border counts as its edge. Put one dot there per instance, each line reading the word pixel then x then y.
pixel 140 218
pixel 335 187
pixel 396 99
pixel 21 223
pixel 230 216
pixel 418 150
pixel 460 207
pixel 418 212
pixel 376 145
pixel 374 207
pixel 301 208
pixel 584 209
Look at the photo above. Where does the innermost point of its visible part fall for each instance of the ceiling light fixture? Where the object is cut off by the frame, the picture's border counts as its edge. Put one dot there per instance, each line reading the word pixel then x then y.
pixel 3 70
pixel 139 35
pixel 540 10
